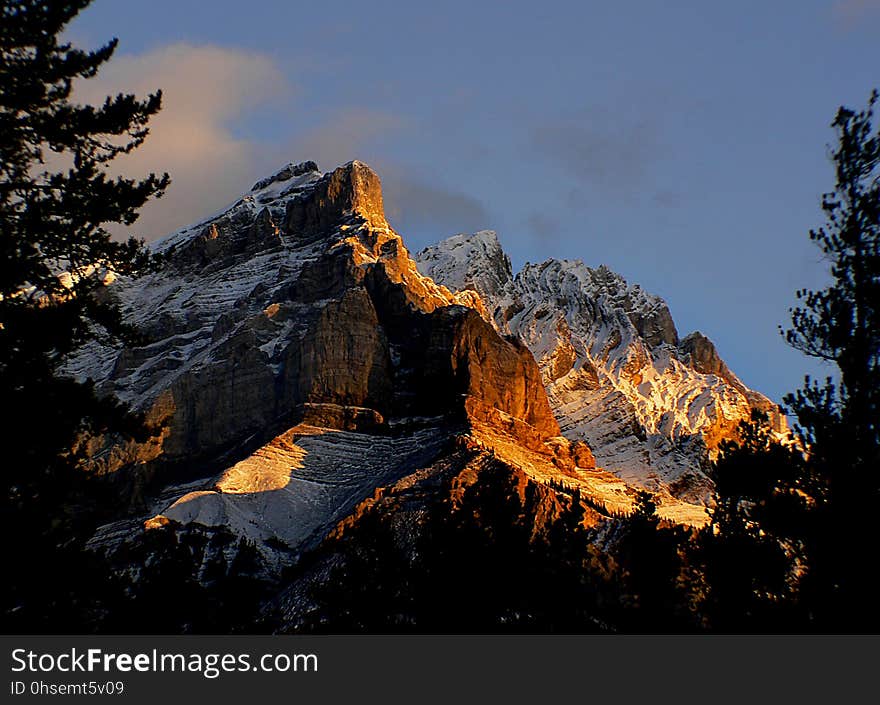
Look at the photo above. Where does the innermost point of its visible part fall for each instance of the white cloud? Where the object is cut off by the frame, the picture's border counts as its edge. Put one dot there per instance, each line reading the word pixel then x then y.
pixel 205 89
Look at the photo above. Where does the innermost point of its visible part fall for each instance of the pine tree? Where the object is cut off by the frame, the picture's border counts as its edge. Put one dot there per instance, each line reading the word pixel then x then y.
pixel 841 323
pixel 838 422
pixel 751 552
pixel 56 197
pixel 650 558
pixel 57 201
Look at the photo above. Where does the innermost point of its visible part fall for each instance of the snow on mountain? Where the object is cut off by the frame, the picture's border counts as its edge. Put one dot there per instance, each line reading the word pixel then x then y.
pixel 293 490
pixel 258 319
pixel 298 307
pixel 297 358
pixel 649 405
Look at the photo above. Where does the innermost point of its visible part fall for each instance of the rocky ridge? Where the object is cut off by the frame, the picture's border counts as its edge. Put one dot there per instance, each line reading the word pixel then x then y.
pixel 296 359
pixel 651 406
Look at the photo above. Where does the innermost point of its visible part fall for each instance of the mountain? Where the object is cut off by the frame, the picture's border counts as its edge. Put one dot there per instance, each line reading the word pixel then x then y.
pixel 295 360
pixel 306 376
pixel 652 406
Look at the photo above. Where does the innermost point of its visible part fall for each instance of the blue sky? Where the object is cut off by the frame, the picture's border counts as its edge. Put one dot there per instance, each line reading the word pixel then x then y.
pixel 683 144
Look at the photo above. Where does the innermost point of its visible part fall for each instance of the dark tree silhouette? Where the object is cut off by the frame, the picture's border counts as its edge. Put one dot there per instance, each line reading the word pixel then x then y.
pixel 791 542
pixel 56 253
pixel 751 553
pixel 56 196
pixel 651 557
pixel 838 422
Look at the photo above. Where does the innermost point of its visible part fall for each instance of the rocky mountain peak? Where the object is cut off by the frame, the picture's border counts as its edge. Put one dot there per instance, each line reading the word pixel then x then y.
pixel 286 174
pixel 703 356
pixel 293 346
pixel 298 202
pixel 300 303
pixel 468 261
pixel 353 189
pixel 618 376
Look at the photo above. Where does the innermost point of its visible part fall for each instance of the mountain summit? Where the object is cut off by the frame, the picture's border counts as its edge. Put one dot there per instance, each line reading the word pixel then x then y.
pixel 299 363
pixel 651 405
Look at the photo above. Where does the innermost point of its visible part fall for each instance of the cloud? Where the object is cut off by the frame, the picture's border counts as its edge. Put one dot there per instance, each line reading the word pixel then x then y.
pixel 205 90
pixel 668 199
pixel 350 133
pixel 414 204
pixel 542 226
pixel 422 209
pixel 604 152
pixel 849 12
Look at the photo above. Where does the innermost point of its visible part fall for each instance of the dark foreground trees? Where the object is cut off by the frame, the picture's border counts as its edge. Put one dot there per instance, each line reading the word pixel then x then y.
pixel 56 253
pixel 503 554
pixel 751 555
pixel 56 201
pixel 793 540
pixel 839 422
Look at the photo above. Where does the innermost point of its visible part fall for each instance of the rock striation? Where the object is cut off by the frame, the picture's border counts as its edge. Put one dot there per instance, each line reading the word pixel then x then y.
pixel 299 307
pixel 296 359
pixel 651 406
pixel 297 301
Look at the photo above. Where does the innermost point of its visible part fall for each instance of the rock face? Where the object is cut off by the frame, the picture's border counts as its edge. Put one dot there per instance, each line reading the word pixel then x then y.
pixel 699 352
pixel 297 358
pixel 402 510
pixel 299 306
pixel 254 324
pixel 618 377
pixel 353 188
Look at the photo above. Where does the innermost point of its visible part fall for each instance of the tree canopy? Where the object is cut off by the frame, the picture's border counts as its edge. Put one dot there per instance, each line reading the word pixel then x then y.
pixel 58 203
pixel 57 198
pixel 838 420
